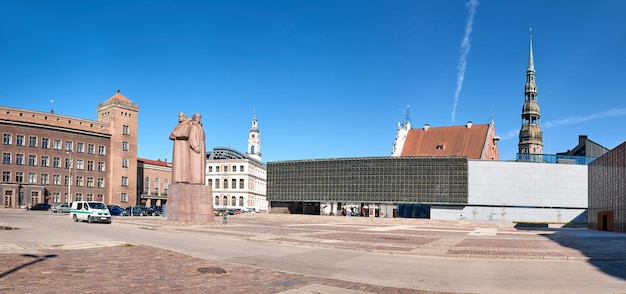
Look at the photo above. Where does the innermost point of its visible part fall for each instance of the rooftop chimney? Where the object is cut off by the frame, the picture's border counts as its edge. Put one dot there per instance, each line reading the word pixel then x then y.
pixel 469 124
pixel 426 127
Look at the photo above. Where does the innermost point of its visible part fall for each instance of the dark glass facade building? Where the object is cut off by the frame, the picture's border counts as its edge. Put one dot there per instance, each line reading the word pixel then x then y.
pixel 607 191
pixel 390 180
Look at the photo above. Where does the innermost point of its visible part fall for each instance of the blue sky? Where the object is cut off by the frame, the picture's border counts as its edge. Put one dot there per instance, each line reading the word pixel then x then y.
pixel 326 78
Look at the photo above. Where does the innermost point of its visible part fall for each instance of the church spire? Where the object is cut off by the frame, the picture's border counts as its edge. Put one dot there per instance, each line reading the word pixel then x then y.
pixel 530 136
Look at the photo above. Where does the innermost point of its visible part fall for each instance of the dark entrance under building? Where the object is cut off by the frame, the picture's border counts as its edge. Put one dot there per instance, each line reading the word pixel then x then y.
pixel 312 208
pixel 413 210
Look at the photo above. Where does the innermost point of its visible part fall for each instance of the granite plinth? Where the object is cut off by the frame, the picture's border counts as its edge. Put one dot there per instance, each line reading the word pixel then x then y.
pixel 189 203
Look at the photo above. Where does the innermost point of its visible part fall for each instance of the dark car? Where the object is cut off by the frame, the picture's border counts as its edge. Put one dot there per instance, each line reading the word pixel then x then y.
pixel 40 206
pixel 115 209
pixel 135 211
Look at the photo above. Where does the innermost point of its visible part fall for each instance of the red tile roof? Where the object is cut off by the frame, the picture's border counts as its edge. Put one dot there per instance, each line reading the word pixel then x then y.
pixel 119 96
pixel 153 162
pixel 447 141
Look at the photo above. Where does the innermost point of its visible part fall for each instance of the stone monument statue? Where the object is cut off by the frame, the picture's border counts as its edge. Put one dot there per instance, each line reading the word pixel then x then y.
pixel 189 199
pixel 188 156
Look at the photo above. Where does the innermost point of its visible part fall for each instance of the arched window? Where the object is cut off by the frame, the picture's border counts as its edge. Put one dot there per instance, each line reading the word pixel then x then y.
pixel 225 183
pixel 241 184
pixel 166 184
pixel 209 182
pixel 252 149
pixel 225 201
pixel 146 185
pixel 234 185
pixel 233 201
pixel 156 186
pixel 217 200
pixel 217 184
pixel 240 200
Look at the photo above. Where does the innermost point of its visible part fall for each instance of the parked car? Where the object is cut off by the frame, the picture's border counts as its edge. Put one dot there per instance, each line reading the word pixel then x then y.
pixel 149 211
pixel 40 206
pixel 115 209
pixel 135 211
pixel 61 208
pixel 90 211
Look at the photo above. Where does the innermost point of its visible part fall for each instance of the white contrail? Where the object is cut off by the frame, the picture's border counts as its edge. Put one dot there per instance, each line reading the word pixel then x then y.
pixel 465 47
pixel 578 119
pixel 570 121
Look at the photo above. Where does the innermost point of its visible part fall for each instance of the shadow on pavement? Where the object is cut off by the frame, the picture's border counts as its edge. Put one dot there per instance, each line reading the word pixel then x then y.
pixel 37 259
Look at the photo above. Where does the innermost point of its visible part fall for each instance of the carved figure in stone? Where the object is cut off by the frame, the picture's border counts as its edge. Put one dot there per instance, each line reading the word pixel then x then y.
pixel 197 155
pixel 181 152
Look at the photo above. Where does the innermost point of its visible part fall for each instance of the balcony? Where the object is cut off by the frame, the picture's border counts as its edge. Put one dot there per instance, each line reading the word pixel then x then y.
pixel 551 158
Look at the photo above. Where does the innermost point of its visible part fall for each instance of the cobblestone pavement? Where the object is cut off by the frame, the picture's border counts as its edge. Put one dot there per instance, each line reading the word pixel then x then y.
pixel 55 270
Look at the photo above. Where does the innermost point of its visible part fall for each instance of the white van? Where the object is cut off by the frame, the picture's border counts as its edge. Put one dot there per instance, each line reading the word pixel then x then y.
pixel 90 211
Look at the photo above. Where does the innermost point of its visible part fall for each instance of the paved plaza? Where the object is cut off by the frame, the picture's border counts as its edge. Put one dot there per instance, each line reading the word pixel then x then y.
pixel 129 267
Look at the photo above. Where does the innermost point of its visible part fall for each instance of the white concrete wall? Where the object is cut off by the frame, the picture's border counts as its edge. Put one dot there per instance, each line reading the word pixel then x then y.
pixel 523 191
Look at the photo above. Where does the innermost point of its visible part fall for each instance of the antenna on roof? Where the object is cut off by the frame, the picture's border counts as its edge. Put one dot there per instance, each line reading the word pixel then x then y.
pixel 490 115
pixel 408 113
pixel 51 106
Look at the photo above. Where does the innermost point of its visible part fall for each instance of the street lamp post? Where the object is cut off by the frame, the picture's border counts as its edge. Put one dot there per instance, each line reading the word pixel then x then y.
pixel 69 180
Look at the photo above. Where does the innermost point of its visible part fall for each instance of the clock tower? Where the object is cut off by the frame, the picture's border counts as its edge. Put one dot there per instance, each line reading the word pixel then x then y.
pixel 530 135
pixel 254 140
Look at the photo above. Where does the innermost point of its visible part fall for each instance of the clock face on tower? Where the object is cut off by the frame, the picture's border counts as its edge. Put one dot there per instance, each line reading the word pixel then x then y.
pixel 252 135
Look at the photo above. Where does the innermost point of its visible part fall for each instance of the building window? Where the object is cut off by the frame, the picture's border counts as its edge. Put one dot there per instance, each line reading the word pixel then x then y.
pixel 166 184
pixel 80 164
pixel 56 180
pixel 210 168
pixel 44 179
pixel 68 163
pixel 225 202
pixel 125 130
pixel 56 162
pixel 101 150
pixel 217 169
pixel 32 160
pixel 69 146
pixel 80 147
pixel 45 161
pixel 209 182
pixel 100 182
pixel 124 181
pixel 234 184
pixel 67 180
pixel 79 197
pixel 19 159
pixel 226 168
pixel 217 201
pixel 56 197
pixel 156 186
pixel 32 141
pixel 124 146
pixel 124 197
pixel 79 181
pixel 125 162
pixel 90 165
pixel 225 184
pixel 100 166
pixel 6 140
pixel 6 176
pixel 217 183
pixel 56 144
pixel 240 200
pixel 233 201
pixel 241 168
pixel 241 184
pixel 90 149
pixel 45 143
pixel 32 178
pixel 19 140
pixel 19 177
pixel 146 185
pixel 89 197
pixel 6 158
pixel 90 182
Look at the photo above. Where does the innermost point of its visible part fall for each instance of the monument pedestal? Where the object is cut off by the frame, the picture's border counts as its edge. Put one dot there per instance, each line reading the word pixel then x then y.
pixel 189 203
